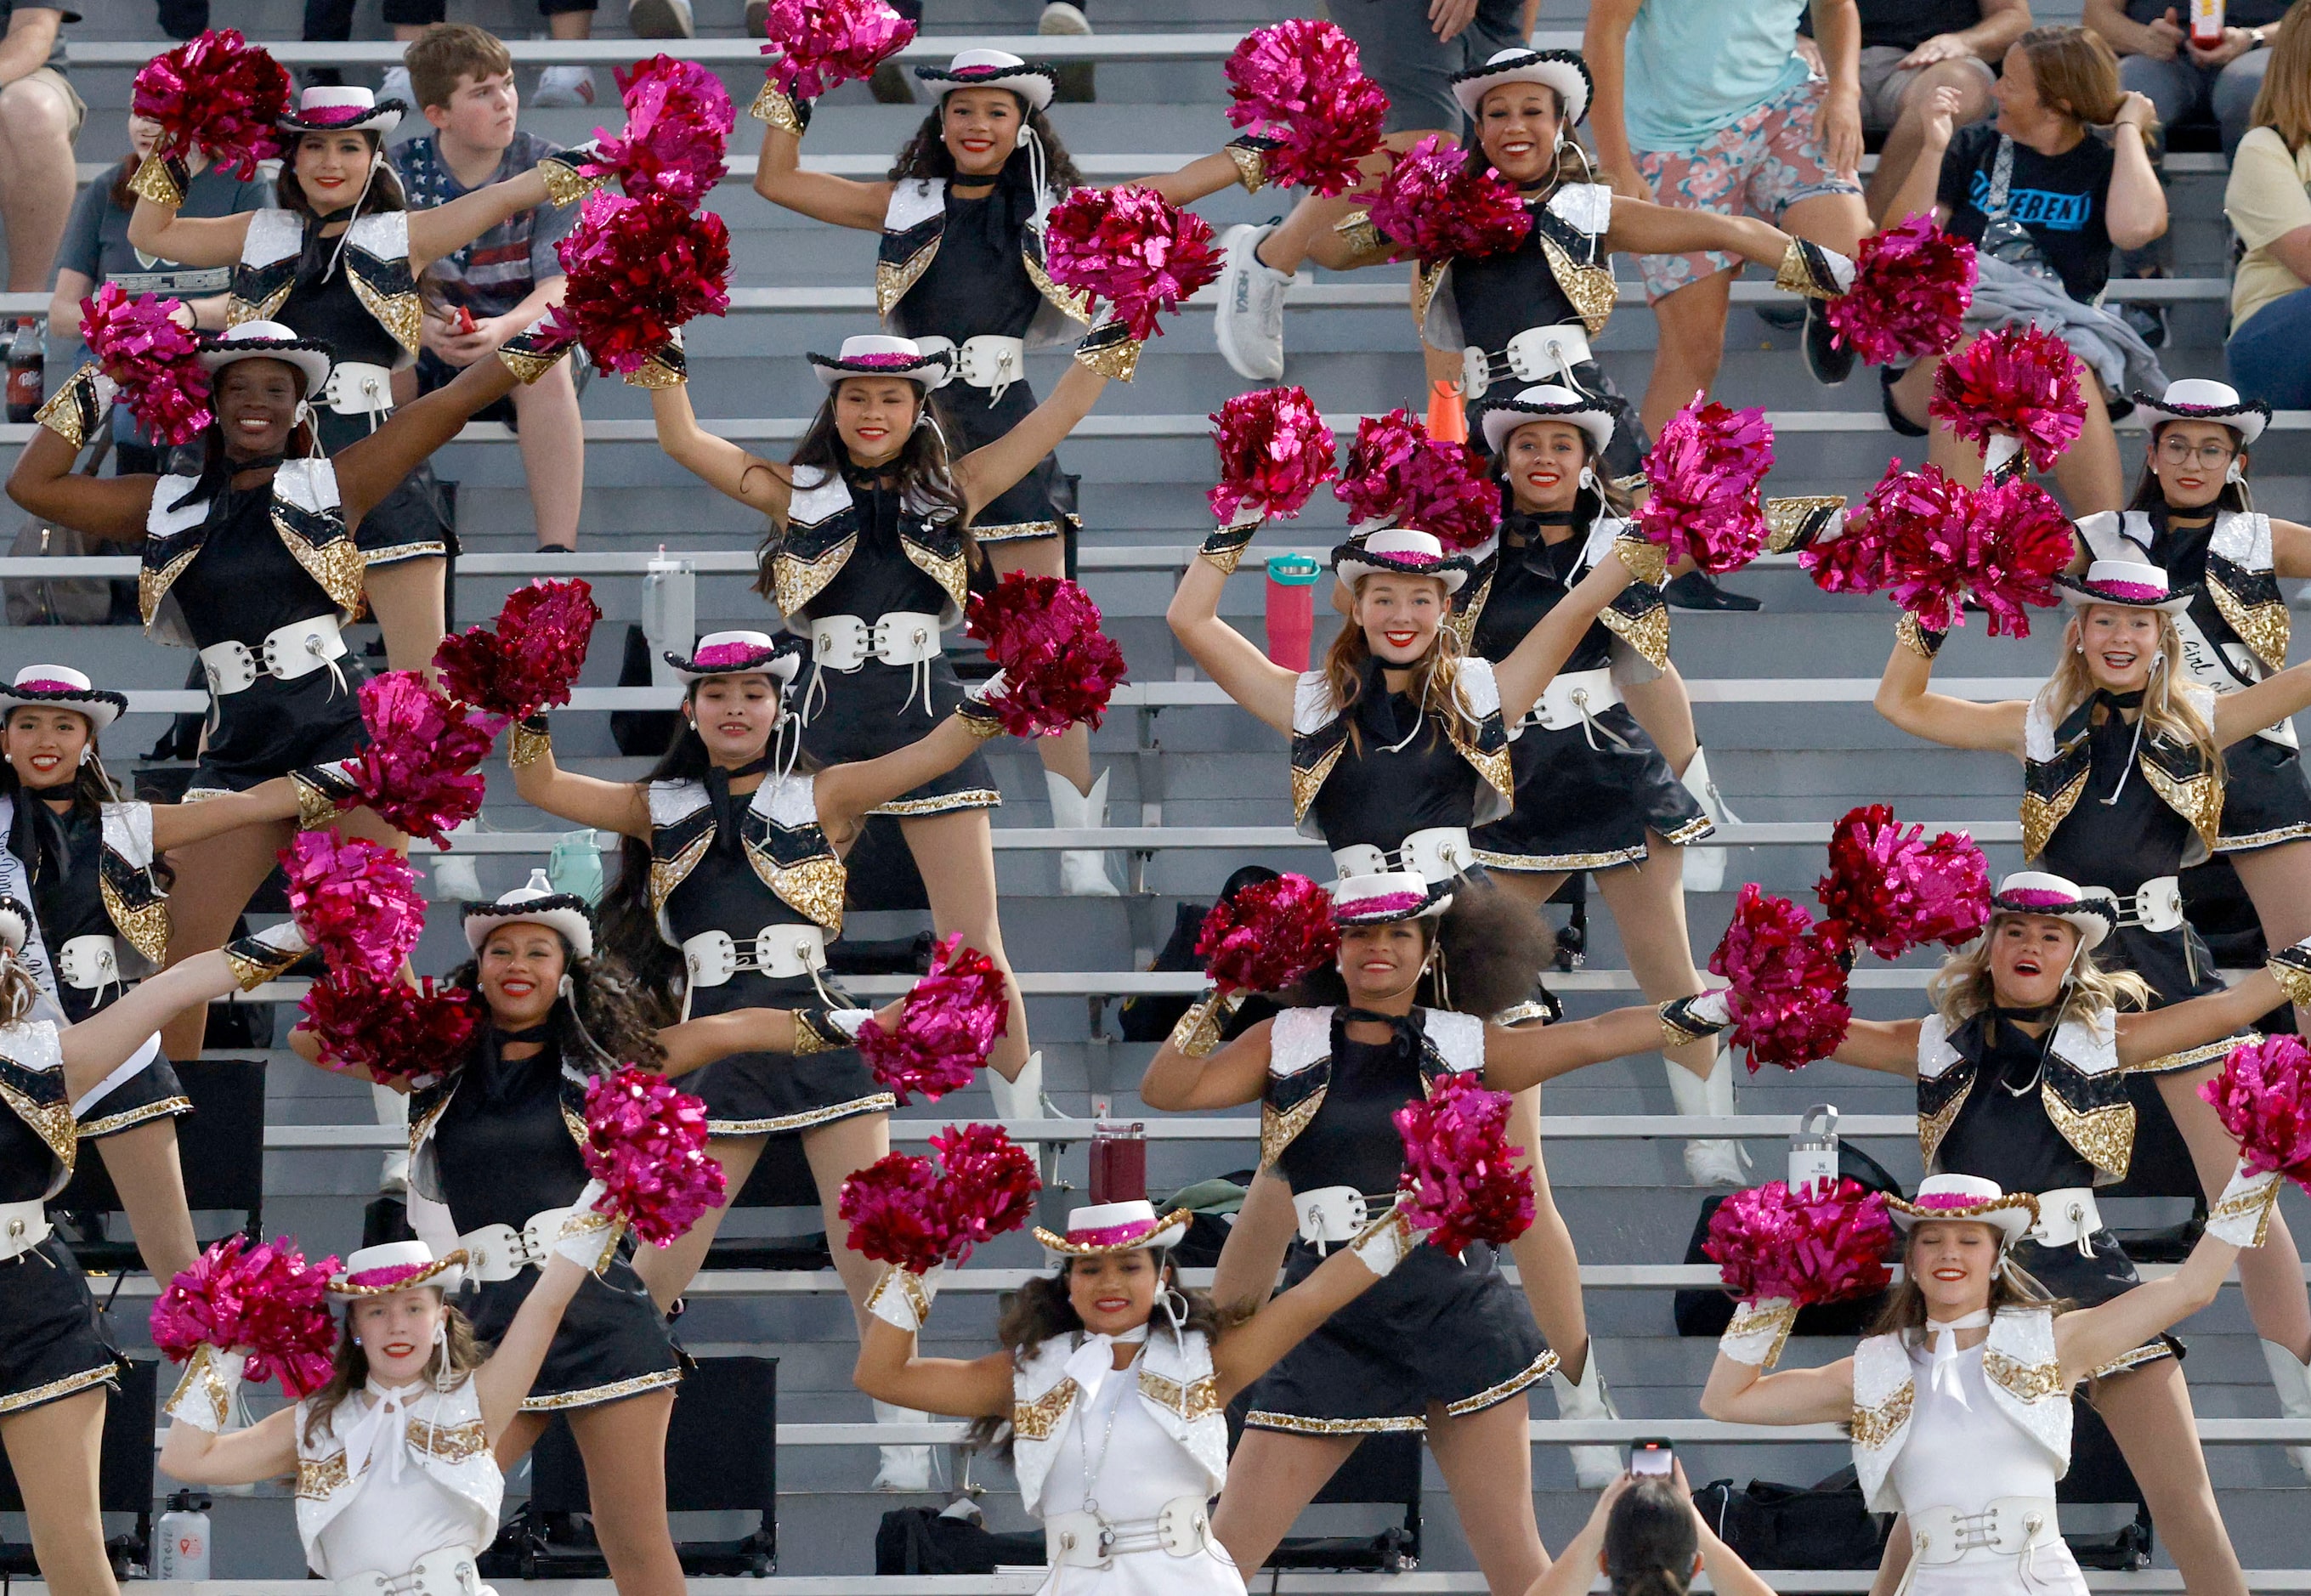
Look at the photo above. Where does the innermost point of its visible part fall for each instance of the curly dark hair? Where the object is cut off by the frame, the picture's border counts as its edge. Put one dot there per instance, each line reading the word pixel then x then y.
pixel 925 154
pixel 1040 1310
pixel 450 1365
pixel 607 1010
pixel 1494 949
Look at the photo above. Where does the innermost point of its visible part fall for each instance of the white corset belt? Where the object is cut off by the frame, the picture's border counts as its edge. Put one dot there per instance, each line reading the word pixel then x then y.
pixel 2017 1527
pixel 1575 698
pixel 1331 1216
pixel 713 957
pixel 989 360
pixel 2068 1216
pixel 1439 854
pixel 89 963
pixel 500 1252
pixel 23 1225
pixel 1537 354
pixel 354 388
pixel 448 1571
pixel 287 653
pixel 1181 1529
pixel 2156 905
pixel 901 637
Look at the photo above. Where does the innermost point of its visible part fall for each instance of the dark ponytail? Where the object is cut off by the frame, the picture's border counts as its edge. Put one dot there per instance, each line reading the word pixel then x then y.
pixel 1651 1540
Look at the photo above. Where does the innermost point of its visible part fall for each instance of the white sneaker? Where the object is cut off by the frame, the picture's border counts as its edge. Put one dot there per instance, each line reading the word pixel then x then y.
pixel 1083 871
pixel 660 19
pixel 564 86
pixel 1250 322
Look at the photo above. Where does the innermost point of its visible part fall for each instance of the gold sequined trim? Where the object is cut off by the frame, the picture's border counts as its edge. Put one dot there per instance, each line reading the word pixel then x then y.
pixel 2270 839
pixel 2149 1352
pixel 1785 519
pixel 1427 277
pixel 1646 560
pixel 526 364
pixel 952 571
pixel 1754 1319
pixel 2103 1137
pixel 2041 815
pixel 452 1444
pixel 814 887
pixel 775 106
pixel 1202 1396
pixel 1075 304
pixel 237 310
pixel 1197 1034
pixel 655 373
pixel 316 807
pixel 1502 1391
pixel 2192 1058
pixel 1647 633
pixel 1550 864
pixel 594 1395
pixel 1366 242
pixel 2198 800
pixel 144 926
pixel 565 185
pixel 904 1283
pixel 1912 636
pixel 1039 1420
pixel 153 586
pixel 1292 1424
pixel 1224 560
pixel 1115 358
pixel 399 314
pixel 808 1039
pixel 1278 1127
pixel 110 1374
pixel 203 1379
pixel 1698 829
pixel 337 564
pixel 252 969
pixel 2025 1382
pixel 2293 979
pixel 666 873
pixel 167 1108
pixel 527 747
pixel 873 1103
pixel 1672 1034
pixel 424 549
pixel 1520 1014
pixel 63 413
pixel 1015 531
pixel 970 798
pixel 1795 276
pixel 1589 288
pixel 1307 783
pixel 1872 1428
pixel 1251 166
pixel 1497 768
pixel 2259 1200
pixel 1933 1128
pixel 2262 627
pixel 795 581
pixel 319 1480
pixel 1464 617
pixel 892 282
pixel 52 1122
pixel 155 181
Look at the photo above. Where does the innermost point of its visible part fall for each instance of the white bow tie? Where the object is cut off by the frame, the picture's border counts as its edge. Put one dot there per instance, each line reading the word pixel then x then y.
pixel 381 1434
pixel 1945 1376
pixel 1091 1364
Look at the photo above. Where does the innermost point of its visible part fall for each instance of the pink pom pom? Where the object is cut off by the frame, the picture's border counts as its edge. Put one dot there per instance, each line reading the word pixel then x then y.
pixel 896 1215
pixel 258 1297
pixel 677 134
pixel 2021 541
pixel 1705 470
pixel 418 771
pixel 2017 381
pixel 1372 485
pixel 387 1029
pixel 1911 286
pixel 2263 1099
pixel 156 362
pixel 1132 248
pixel 1893 890
pixel 218 91
pixel 1432 205
pixel 987 1186
pixel 947 1026
pixel 1461 1181
pixel 820 43
pixel 532 658
pixel 1399 475
pixel 1819 1246
pixel 638 269
pixel 1059 667
pixel 1276 449
pixel 1789 982
pixel 1301 82
pixel 1268 936
pixel 646 1143
pixel 354 900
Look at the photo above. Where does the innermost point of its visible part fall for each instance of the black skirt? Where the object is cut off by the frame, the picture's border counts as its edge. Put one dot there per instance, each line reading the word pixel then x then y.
pixel 866 713
pixel 152 1093
pixel 2089 1282
pixel 1041 503
pixel 612 1342
pixel 1586 803
pixel 50 1348
pixel 768 1094
pixel 2266 798
pixel 410 523
pixel 273 727
pixel 2176 962
pixel 1452 1333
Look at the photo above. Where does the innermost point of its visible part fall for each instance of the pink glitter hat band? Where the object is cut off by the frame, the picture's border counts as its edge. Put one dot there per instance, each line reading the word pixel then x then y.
pixel 45 685
pixel 385 1279
pixel 1114 1235
pixel 2130 592
pixel 883 362
pixel 1941 1200
pixel 2037 897
pixel 728 654
pixel 332 116
pixel 1390 903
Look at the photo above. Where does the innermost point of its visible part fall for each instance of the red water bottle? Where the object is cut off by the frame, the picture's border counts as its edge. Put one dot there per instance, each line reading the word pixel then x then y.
pixel 2206 24
pixel 1291 608
pixel 1119 1162
pixel 26 360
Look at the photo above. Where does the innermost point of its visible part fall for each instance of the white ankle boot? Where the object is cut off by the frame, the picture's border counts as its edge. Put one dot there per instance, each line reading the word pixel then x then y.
pixel 903 1467
pixel 1083 871
pixel 1022 1099
pixel 1595 1467
pixel 2292 1380
pixel 1710 1161
pixel 1704 866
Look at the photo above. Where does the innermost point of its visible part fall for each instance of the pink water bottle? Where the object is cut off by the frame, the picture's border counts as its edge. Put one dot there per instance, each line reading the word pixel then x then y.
pixel 1291 608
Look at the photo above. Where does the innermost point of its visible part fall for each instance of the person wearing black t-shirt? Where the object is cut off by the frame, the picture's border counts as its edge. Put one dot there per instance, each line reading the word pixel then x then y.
pixel 2045 231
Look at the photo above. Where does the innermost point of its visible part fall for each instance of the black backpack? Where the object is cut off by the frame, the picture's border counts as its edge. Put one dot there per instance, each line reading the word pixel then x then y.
pixel 920 1541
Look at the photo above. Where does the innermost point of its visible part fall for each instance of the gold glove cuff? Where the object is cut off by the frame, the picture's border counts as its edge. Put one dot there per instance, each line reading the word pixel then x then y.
pixel 1791 523
pixel 1250 163
pixel 1756 1323
pixel 2290 967
pixel 527 745
pixel 1915 638
pixel 775 106
pixel 1197 1034
pixel 72 412
pixel 1107 350
pixel 1796 273
pixel 1647 561
pixel 565 185
pixel 156 179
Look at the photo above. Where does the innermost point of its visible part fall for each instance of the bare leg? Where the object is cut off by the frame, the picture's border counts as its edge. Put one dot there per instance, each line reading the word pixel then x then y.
pixel 2271 1276
pixel 1307 228
pixel 1692 334
pixel 1834 221
pixel 623 1444
pixel 36 178
pixel 517 1438
pixel 1487 1460
pixel 668 1270
pixel 836 1151
pixel 2279 881
pixel 1255 1246
pixel 142 1162
pixel 1666 713
pixel 411 609
pixel 553 454
pixel 1547 1263
pixel 1271 1477
pixel 1647 899
pixel 956 857
pixel 2149 1412
pixel 53 1449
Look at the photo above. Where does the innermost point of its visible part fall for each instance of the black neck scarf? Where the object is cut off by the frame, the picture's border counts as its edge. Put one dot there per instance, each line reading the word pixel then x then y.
pixel 1403 1045
pixel 505 1080
pixel 726 808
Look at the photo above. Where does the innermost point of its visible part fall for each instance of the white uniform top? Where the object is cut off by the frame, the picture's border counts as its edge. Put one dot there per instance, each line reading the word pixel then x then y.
pixel 390 1523
pixel 1965 1456
pixel 1137 1466
pixel 382 1512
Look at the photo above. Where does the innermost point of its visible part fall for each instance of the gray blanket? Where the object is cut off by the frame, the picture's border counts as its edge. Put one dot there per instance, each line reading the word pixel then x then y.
pixel 2004 296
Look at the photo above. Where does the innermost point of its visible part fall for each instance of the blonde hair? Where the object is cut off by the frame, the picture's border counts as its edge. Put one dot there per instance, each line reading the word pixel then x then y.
pixel 2166 715
pixel 2075 71
pixel 1963 988
pixel 18 992
pixel 1436 684
pixel 2283 103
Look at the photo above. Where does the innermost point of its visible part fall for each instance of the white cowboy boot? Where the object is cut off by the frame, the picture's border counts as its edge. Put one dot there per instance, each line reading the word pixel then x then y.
pixel 1083 871
pixel 1022 1099
pixel 1595 1467
pixel 2292 1380
pixel 1704 866
pixel 904 1467
pixel 1711 1161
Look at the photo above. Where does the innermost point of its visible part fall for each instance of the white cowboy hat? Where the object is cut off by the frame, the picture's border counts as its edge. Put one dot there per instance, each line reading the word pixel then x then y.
pixel 2093 915
pixel 741 654
pixel 2202 399
pixel 879 355
pixel 536 903
pixel 270 341
pixel 1385 897
pixel 1562 70
pixel 1968 1198
pixel 1115 1227
pixel 1547 402
pixel 2127 583
pixel 1399 551
pixel 343 110
pixel 395 1266
pixel 60 686
pixel 1033 80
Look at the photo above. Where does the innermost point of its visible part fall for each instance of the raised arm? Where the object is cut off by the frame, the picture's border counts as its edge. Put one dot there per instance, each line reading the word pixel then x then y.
pixel 1243 1353
pixel 504 1381
pixel 719 463
pixel 1525 674
pixel 370 467
pixel 1204 176
pixel 444 230
pixel 1641 228
pixel 693 1044
pixel 102 1042
pixel 44 483
pixel 1744 1393
pixel 265 1450
pixel 822 196
pixel 2240 715
pixel 1922 182
pixel 1887 1046
pixel 2290 541
pixel 1229 1077
pixel 2197 1020
pixel 890 1371
pixel 1953 723
pixel 1243 672
pixel 157 230
pixel 988 472
pixel 845 792
pixel 2137 200
pixel 1530 1055
pixel 1603 46
pixel 2089 1338
pixel 620 806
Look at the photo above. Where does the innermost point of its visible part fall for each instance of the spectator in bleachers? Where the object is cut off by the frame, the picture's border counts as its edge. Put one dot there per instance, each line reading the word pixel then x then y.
pixel 40 116
pixel 1910 49
pixel 2044 198
pixel 1706 105
pixel 2268 200
pixel 557 86
pixel 1648 1539
pixel 481 294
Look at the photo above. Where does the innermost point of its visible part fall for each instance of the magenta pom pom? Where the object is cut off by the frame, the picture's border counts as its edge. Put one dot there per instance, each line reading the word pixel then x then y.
pixel 1461 1181
pixel 820 43
pixel 1788 995
pixel 1818 1246
pixel 646 1143
pixel 1132 248
pixel 139 345
pixel 1705 470
pixel 2019 382
pixel 1301 82
pixel 1397 475
pixel 987 1187
pixel 1432 205
pixel 638 269
pixel 356 900
pixel 947 1027
pixel 387 1029
pixel 1268 936
pixel 903 1211
pixel 1911 286
pixel 419 769
pixel 896 1215
pixel 533 657
pixel 2019 542
pixel 1891 889
pixel 1372 484
pixel 217 92
pixel 258 1297
pixel 2263 1098
pixel 1059 667
pixel 677 134
pixel 1276 449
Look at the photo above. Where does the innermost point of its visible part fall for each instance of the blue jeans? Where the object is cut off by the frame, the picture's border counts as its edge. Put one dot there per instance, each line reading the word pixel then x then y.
pixel 2181 90
pixel 2269 358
